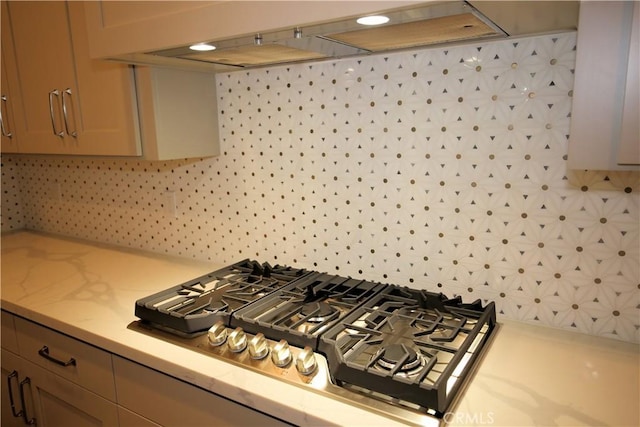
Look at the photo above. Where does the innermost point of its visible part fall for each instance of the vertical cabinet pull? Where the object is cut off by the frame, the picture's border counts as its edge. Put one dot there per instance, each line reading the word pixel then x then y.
pixel 25 417
pixel 67 94
pixel 6 133
pixel 10 378
pixel 53 93
pixel 44 352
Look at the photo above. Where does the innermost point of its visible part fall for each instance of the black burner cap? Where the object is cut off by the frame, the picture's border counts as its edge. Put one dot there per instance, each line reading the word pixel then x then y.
pixel 397 353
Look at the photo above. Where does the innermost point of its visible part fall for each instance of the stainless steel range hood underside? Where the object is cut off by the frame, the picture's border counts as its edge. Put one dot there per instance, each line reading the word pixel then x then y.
pixel 428 24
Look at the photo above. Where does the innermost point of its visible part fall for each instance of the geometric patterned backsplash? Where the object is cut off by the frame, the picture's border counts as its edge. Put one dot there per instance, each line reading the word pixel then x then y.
pixel 441 168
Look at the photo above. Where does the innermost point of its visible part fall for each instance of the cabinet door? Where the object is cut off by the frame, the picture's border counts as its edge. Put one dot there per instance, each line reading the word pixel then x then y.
pixel 58 402
pixel 44 64
pixel 604 116
pixel 9 144
pixel 8 107
pixel 69 103
pixel 9 391
pixel 107 120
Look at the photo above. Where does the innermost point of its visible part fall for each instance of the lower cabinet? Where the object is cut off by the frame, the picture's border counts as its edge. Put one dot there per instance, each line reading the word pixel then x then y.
pixel 45 376
pixel 43 398
pixel 171 402
pixel 53 380
pixel 12 412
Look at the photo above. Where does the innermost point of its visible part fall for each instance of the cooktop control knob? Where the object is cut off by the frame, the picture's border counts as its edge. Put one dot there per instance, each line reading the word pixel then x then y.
pixel 258 348
pixel 237 340
pixel 217 334
pixel 281 354
pixel 306 361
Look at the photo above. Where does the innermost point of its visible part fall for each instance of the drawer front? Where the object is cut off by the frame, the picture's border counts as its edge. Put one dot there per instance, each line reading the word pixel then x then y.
pixel 73 360
pixel 8 333
pixel 173 403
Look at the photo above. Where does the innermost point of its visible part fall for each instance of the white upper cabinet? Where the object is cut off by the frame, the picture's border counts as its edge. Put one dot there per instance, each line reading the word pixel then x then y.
pixel 605 133
pixel 64 102
pixel 61 101
pixel 7 125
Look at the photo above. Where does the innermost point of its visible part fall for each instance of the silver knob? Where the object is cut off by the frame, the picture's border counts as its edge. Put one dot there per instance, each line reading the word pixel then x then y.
pixel 258 348
pixel 217 334
pixel 306 361
pixel 237 340
pixel 281 354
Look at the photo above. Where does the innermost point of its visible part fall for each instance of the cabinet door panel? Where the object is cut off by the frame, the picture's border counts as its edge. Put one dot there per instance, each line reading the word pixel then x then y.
pixel 105 105
pixel 9 389
pixel 11 104
pixel 69 103
pixel 44 63
pixel 9 140
pixel 604 116
pixel 59 402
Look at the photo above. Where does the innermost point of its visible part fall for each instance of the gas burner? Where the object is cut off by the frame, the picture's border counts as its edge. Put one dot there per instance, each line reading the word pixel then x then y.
pixel 399 358
pixel 306 308
pixel 317 312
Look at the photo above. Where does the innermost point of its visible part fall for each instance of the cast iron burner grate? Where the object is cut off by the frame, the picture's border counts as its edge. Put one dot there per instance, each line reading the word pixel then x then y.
pixel 193 307
pixel 411 345
pixel 303 310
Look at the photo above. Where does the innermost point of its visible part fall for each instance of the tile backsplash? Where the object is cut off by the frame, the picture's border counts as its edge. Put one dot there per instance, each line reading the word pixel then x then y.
pixel 441 168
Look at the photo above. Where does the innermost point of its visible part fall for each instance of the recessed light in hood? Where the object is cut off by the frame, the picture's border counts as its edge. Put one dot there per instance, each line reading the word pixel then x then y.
pixel 373 20
pixel 202 47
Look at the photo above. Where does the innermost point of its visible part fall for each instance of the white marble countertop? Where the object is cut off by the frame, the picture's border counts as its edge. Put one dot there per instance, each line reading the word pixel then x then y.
pixel 530 375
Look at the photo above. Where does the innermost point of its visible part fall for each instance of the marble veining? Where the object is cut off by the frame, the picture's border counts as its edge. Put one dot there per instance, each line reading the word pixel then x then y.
pixel 530 374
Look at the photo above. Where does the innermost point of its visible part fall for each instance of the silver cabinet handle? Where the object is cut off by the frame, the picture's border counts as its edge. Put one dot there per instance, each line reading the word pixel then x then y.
pixel 65 94
pixel 55 92
pixel 25 417
pixel 6 133
pixel 10 377
pixel 44 352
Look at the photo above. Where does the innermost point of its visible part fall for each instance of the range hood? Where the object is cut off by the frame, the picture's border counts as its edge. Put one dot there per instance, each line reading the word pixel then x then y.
pixel 432 23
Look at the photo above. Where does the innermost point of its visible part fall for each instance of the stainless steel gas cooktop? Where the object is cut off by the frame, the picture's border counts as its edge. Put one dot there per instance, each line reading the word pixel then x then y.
pixel 401 352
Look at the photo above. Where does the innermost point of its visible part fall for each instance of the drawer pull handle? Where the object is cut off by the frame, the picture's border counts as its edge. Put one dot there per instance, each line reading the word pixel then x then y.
pixel 10 377
pixel 44 352
pixel 25 417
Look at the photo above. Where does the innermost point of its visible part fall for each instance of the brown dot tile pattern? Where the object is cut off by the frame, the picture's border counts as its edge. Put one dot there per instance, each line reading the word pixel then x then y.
pixel 442 168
